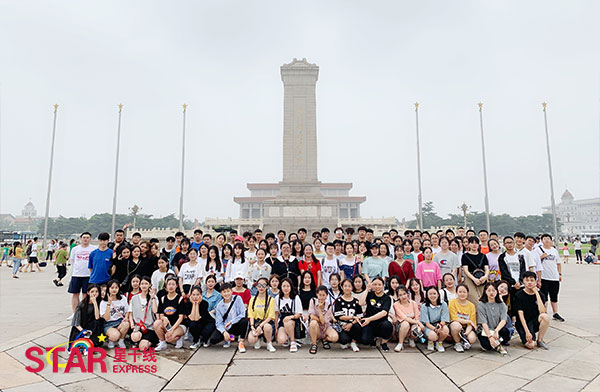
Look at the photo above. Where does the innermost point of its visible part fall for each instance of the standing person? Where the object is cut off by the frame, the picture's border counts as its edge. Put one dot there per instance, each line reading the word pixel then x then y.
pixel 288 314
pixel 201 323
pixel 320 314
pixel 521 249
pixel 170 327
pixel 492 257
pixel 311 264
pixel 286 266
pixel 407 315
pixel 348 312
pixel 50 249
pixel 169 250
pixel 17 257
pixel 142 315
pixel 60 261
pixel 475 269
pixel 329 265
pixel 197 240
pixel 238 264
pixel 190 273
pixel 512 266
pixel 261 317
pixel 5 252
pixel 447 260
pixel 532 318
pixel 435 317
pixel 463 320
pixel 375 266
pixel 230 320
pixel 33 256
pixel 349 263
pixel 79 258
pixel 260 269
pixel 181 256
pixel 213 265
pixel 100 261
pixel 484 238
pixel 491 318
pixel 565 251
pixel 375 322
pixel 158 276
pixel 401 267
pixel 428 272
pixel 551 273
pixel 577 248
pixel 113 309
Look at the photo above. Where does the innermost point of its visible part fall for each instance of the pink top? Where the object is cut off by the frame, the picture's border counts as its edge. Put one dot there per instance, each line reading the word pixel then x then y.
pixel 410 310
pixel 428 273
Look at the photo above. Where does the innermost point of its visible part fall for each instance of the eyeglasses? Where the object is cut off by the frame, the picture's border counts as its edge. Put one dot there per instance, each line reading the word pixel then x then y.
pixel 261 286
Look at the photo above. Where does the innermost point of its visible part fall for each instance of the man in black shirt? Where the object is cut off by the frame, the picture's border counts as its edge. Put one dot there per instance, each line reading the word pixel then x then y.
pixel 531 313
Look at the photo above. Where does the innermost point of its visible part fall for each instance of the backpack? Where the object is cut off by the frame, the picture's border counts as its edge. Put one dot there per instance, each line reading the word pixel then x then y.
pixel 28 250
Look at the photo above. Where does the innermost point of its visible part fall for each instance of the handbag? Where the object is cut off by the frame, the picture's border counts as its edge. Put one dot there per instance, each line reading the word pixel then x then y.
pixel 142 324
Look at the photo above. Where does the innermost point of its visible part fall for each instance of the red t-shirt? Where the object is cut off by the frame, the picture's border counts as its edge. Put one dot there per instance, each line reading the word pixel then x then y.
pixel 312 267
pixel 404 273
pixel 485 249
pixel 245 295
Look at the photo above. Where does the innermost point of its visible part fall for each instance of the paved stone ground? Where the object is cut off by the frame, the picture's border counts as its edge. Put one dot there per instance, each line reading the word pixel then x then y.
pixel 31 306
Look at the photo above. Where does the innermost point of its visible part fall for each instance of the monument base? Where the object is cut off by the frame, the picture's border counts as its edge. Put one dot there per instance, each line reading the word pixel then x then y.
pixel 290 214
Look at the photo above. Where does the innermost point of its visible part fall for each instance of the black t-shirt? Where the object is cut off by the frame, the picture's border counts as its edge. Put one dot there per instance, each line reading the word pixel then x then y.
pixel 473 262
pixel 269 260
pixel 120 269
pixel 341 307
pixel 528 304
pixel 179 259
pixel 376 304
pixel 172 308
pixel 205 317
pixel 305 297
pixel 141 268
pixel 287 269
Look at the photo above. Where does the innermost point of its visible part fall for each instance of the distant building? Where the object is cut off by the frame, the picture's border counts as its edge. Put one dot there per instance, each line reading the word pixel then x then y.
pixel 28 211
pixel 577 217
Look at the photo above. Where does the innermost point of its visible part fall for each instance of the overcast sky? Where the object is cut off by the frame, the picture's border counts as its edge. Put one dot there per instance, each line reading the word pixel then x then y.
pixel 222 58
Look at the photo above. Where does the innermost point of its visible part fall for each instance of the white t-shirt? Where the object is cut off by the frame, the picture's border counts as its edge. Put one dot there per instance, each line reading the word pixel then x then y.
pixel 118 308
pixel 250 256
pixel 535 256
pixel 345 261
pixel 284 305
pixel 158 279
pixel 80 256
pixel 529 261
pixel 328 267
pixel 550 264
pixel 189 273
pixel 34 250
pixel 436 250
pixel 512 262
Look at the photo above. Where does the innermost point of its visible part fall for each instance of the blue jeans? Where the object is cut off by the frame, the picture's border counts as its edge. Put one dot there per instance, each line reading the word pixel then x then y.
pixel 16 265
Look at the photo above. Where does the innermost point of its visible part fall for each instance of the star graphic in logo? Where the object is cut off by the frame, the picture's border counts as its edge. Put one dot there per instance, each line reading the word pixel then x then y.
pixel 102 338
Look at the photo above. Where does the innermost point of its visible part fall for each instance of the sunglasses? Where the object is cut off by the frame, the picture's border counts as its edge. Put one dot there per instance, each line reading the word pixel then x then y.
pixel 261 286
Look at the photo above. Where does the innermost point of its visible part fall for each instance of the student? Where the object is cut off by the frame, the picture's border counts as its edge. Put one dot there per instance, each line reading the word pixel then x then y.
pixel 401 267
pixel 551 273
pixel 273 253
pixel 349 263
pixel 17 257
pixel 375 323
pixel 87 317
pixel 261 317
pixel 273 286
pixel 374 266
pixel 307 291
pixel 170 327
pixel 428 272
pixel 491 318
pixel 298 250
pixel 492 257
pixel 79 258
pixel 181 256
pixel 100 261
pixel 169 250
pixel 226 255
pixel 286 265
pixel 230 320
pixel 408 316
pixel 512 265
pixel 250 253
pixel 135 287
pixel 120 264
pixel 61 263
pixel 448 292
pixel 348 312
pixel 260 269
pixel 415 289
pixel 521 249
pixel 210 295
pixel 475 268
pixel 113 309
pixel 435 317
pixel 334 290
pixel 447 260
pixel 329 265
pixel 463 320
pixel 158 276
pixel 135 266
pixel 532 318
pixel 289 313
pixel 213 265
pixel 392 290
pixel 240 290
pixel 237 264
pixel 201 323
pixel 197 239
pixel 203 255
pixel 504 295
pixel 311 264
pixel 484 238
pixel 417 254
pixel 384 253
pixel 142 315
pixel 321 318
pixel 358 286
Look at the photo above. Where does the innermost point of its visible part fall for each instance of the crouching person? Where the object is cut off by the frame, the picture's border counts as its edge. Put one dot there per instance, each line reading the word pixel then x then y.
pixel 170 328
pixel 114 309
pixel 142 315
pixel 230 319
pixel 531 313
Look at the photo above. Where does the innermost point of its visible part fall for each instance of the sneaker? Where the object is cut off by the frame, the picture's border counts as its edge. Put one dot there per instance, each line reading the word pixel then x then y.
pixel 354 347
pixel 55 281
pixel 194 346
pixel 398 347
pixel 70 317
pixel 343 346
pixel 16 277
pixel 226 344
pixel 459 348
pixel 293 347
pixel 121 343
pixel 465 342
pixel 411 343
pixel 257 345
pixel 241 347
pixel 543 345
pixel 385 348
pixel 162 345
pixel 270 347
pixel 440 347
pixel 60 285
pixel 110 344
pixel 286 343
pixel 179 343
pixel 205 344
pixel 503 351
pixel 557 317
pixel 430 346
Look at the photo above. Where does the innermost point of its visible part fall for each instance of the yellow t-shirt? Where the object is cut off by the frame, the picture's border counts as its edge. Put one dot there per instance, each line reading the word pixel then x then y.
pixel 465 312
pixel 256 308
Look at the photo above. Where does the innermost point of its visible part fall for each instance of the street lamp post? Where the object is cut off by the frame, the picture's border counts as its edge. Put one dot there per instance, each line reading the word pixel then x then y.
pixel 114 207
pixel 182 170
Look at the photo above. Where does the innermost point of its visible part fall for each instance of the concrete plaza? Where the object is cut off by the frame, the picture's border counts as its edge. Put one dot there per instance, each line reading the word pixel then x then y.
pixel 34 312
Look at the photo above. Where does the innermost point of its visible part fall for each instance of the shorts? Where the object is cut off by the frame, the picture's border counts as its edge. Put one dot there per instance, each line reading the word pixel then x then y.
pixel 33 259
pixel 78 284
pixel 272 323
pixel 533 326
pixel 550 289
pixel 150 336
pixel 112 324
pixel 184 327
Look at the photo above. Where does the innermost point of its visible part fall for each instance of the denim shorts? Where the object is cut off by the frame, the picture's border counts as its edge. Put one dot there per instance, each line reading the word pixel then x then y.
pixel 112 324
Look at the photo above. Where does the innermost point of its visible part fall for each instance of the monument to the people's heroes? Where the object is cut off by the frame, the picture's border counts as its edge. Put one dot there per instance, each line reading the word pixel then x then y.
pixel 300 199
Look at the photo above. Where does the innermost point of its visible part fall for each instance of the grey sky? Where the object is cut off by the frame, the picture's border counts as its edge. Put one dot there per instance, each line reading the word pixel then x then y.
pixel 223 58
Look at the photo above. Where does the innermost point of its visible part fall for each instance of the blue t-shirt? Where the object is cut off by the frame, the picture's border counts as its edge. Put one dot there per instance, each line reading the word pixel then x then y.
pixel 196 245
pixel 100 263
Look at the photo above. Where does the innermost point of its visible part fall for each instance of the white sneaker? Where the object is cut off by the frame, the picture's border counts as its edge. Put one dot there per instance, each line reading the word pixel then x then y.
pixel 411 343
pixel 343 346
pixel 257 345
pixel 121 343
pixel 270 347
pixel 440 347
pixel 354 347
pixel 179 343
pixel 110 344
pixel 293 347
pixel 70 317
pixel 226 344
pixel 205 344
pixel 430 346
pixel 162 345
pixel 398 347
pixel 194 346
pixel 459 348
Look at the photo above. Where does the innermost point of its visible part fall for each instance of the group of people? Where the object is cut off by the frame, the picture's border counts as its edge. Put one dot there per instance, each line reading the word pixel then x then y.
pixel 293 290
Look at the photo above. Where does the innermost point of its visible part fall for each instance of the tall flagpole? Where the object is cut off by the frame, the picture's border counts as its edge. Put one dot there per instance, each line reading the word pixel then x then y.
pixel 114 207
pixel 550 174
pixel 182 170
pixel 50 178
pixel 420 216
pixel 487 203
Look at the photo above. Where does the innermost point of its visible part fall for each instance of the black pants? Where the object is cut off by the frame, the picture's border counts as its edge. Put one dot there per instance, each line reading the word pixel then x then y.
pixel 62 270
pixel 578 254
pixel 504 333
pixel 49 255
pixel 201 331
pixel 348 336
pixel 376 329
pixel 238 329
